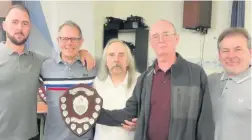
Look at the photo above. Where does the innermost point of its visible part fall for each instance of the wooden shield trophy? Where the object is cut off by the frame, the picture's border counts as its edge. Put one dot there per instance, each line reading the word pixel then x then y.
pixel 80 107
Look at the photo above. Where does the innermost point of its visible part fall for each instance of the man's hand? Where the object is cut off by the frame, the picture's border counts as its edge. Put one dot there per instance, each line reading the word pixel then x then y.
pixel 86 57
pixel 129 125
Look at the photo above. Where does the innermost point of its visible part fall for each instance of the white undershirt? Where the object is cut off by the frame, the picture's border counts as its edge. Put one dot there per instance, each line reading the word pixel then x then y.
pixel 113 98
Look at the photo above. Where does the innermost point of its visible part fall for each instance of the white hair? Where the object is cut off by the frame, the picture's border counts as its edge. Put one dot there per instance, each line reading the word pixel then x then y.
pixel 103 72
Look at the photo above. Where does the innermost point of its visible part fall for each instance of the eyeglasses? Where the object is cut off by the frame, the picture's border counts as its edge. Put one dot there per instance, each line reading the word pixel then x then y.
pixel 72 39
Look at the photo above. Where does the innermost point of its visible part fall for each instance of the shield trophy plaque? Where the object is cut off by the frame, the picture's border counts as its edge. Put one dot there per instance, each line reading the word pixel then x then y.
pixel 80 107
pixel 42 93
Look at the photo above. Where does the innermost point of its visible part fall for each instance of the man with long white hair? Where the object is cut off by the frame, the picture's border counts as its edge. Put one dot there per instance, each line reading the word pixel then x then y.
pixel 115 82
pixel 171 98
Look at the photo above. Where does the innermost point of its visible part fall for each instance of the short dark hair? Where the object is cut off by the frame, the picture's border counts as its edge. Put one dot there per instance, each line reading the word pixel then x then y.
pixel 20 7
pixel 233 31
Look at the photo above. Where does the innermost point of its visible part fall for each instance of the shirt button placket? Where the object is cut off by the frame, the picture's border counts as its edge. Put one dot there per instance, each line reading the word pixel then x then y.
pixel 70 72
pixel 18 65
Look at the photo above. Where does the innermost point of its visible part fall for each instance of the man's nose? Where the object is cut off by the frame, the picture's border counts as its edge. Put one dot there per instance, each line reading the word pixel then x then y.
pixel 19 26
pixel 231 54
pixel 69 41
pixel 161 39
pixel 116 59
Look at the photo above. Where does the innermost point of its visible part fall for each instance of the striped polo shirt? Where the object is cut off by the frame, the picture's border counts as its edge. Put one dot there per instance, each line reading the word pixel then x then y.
pixel 57 77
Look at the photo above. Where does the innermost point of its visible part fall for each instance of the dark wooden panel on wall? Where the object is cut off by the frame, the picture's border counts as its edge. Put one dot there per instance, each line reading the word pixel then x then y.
pixel 197 14
pixel 2 32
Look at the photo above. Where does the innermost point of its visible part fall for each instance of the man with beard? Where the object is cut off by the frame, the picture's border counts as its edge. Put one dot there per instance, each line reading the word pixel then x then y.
pixel 171 98
pixel 19 74
pixel 115 82
pixel 231 90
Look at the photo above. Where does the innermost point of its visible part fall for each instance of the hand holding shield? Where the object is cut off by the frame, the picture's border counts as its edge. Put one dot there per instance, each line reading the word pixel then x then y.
pixel 80 107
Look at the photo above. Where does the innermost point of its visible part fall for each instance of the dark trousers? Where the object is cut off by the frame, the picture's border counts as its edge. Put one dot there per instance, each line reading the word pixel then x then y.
pixel 35 138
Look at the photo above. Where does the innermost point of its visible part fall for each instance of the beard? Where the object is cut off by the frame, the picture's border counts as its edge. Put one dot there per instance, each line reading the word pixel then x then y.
pixel 15 41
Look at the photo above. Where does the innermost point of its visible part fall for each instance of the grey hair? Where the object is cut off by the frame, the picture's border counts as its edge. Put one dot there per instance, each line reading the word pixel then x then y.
pixel 233 31
pixel 103 71
pixel 72 24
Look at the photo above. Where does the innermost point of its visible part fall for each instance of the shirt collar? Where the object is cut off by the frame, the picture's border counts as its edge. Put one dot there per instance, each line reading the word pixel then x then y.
pixel 58 59
pixel 238 78
pixel 156 68
pixel 176 68
pixel 10 51
pixel 109 80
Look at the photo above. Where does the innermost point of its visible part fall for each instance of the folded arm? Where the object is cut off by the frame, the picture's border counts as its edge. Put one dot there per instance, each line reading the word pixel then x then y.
pixel 118 117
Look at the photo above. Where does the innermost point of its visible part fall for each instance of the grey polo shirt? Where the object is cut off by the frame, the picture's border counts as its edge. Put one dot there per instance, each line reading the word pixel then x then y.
pixel 231 98
pixel 57 77
pixel 19 76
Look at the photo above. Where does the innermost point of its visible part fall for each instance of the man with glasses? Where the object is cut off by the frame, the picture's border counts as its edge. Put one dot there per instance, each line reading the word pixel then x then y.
pixel 171 98
pixel 19 78
pixel 64 69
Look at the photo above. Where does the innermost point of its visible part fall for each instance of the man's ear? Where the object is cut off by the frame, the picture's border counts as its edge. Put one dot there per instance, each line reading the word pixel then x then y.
pixel 250 56
pixel 177 39
pixel 4 26
pixel 58 39
pixel 81 41
pixel 218 54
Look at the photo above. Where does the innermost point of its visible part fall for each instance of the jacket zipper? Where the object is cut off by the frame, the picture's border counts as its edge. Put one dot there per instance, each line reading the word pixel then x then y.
pixel 171 111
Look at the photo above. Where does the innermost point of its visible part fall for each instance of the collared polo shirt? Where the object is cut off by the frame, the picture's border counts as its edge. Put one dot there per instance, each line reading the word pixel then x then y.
pixel 114 97
pixel 19 82
pixel 159 120
pixel 232 107
pixel 58 76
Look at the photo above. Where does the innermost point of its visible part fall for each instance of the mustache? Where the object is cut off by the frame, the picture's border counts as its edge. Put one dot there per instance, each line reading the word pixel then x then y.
pixel 117 66
pixel 19 33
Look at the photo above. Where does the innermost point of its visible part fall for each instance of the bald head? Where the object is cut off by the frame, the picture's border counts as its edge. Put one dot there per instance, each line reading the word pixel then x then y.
pixel 162 25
